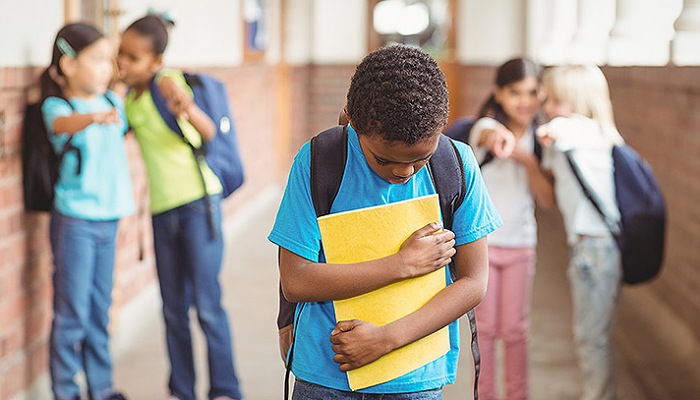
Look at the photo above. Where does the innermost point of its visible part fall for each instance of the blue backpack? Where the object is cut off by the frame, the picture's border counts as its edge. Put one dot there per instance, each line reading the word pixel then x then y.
pixel 641 232
pixel 221 153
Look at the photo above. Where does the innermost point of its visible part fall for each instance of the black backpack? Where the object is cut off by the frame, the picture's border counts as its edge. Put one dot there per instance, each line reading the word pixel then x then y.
pixel 641 232
pixel 328 158
pixel 40 163
pixel 461 128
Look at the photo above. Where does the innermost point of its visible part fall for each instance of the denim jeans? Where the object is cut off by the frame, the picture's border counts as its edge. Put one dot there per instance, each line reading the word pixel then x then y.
pixel 595 274
pixel 188 260
pixel 83 256
pixel 308 391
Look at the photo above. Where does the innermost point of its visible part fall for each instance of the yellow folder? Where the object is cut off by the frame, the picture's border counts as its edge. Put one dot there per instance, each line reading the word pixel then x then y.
pixel 372 233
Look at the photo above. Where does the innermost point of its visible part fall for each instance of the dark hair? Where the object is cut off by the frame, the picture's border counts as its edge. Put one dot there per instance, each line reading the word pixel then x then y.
pixel 70 41
pixel 509 72
pixel 154 27
pixel 398 92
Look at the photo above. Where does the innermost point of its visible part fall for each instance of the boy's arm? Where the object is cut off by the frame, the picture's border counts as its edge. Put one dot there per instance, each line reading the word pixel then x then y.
pixel 357 343
pixel 182 105
pixel 425 251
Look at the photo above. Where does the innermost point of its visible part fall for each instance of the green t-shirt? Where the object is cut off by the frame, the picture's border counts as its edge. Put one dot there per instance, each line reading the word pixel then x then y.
pixel 170 165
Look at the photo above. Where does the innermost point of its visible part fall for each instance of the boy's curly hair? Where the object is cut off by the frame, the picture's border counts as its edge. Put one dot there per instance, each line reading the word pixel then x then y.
pixel 400 93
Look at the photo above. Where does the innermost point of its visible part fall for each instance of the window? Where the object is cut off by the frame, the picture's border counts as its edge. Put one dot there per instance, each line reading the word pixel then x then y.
pixel 422 23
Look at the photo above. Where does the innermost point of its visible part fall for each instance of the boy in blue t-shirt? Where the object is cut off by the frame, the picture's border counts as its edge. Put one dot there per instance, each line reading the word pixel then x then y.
pixel 397 106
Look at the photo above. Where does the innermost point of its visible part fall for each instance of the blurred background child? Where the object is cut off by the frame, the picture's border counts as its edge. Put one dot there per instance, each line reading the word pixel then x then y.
pixel 92 193
pixel 503 139
pixel 582 127
pixel 186 208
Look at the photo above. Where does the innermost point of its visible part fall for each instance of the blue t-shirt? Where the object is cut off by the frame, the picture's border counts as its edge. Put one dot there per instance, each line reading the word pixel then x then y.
pixel 296 230
pixel 102 190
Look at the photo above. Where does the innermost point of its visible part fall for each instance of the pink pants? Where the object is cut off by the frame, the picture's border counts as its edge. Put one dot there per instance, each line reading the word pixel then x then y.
pixel 504 314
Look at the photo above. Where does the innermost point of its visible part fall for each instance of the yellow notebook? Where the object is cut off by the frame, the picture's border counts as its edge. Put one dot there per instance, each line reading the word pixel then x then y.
pixel 372 233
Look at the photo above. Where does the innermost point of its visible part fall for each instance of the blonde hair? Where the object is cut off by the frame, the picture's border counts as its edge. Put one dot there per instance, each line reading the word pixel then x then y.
pixel 585 88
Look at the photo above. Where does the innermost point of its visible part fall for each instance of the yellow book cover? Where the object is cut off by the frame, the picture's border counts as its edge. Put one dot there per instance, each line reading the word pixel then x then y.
pixel 375 232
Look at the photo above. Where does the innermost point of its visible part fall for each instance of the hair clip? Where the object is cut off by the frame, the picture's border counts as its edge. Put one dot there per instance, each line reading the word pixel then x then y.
pixel 166 16
pixel 65 48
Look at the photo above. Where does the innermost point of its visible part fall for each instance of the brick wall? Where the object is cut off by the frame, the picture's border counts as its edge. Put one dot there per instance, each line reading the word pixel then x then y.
pixel 317 96
pixel 656 112
pixel 25 288
pixel 25 256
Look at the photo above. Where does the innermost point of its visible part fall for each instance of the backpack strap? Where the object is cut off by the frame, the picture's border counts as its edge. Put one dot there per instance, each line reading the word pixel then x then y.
pixel 447 172
pixel 68 146
pixel 615 227
pixel 329 153
pixel 162 107
pixel 197 152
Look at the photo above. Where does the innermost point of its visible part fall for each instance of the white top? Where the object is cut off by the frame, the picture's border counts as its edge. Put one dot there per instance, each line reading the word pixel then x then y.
pixel 592 152
pixel 507 183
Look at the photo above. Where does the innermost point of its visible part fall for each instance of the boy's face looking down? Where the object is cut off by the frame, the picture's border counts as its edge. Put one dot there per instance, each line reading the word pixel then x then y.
pixel 396 162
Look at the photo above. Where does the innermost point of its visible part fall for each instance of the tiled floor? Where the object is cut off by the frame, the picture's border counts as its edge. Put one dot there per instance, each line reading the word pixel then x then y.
pixel 656 358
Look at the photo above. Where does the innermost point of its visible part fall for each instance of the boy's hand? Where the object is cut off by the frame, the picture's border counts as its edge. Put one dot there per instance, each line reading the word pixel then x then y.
pixel 427 249
pixel 357 343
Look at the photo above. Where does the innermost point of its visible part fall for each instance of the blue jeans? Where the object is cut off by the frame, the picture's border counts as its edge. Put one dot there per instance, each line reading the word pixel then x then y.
pixel 595 274
pixel 309 391
pixel 188 260
pixel 83 256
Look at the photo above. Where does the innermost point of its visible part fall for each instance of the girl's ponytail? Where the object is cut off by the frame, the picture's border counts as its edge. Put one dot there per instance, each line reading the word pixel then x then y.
pixel 48 83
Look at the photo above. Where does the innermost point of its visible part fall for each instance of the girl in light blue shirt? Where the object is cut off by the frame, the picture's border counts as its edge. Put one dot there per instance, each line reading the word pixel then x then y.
pixel 92 193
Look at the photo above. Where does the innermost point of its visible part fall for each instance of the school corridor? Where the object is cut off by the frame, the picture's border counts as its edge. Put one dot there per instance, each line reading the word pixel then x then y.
pixel 655 359
pixel 287 66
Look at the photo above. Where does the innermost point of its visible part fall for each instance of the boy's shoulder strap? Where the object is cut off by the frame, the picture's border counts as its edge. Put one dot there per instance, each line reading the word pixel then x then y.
pixel 447 172
pixel 329 153
pixel 449 177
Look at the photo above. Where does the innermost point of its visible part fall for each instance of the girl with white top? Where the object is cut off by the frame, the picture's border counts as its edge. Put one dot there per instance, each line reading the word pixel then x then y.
pixel 582 126
pixel 503 139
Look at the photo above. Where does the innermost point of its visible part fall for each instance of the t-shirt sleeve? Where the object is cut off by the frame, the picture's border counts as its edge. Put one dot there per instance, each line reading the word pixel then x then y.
pixel 576 132
pixel 55 107
pixel 176 76
pixel 295 227
pixel 476 217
